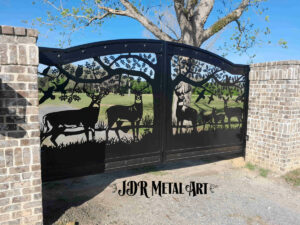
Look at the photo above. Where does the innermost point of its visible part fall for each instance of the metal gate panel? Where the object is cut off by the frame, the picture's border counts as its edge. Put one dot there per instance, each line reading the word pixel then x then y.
pixel 214 121
pixel 108 105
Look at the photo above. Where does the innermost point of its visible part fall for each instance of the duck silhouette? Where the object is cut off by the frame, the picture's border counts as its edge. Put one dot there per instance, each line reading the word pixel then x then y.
pixel 47 94
pixel 211 98
pixel 201 95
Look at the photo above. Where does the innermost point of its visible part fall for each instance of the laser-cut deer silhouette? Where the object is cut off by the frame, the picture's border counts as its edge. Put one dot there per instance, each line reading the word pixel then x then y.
pixel 133 113
pixel 232 112
pixel 218 118
pixel 206 119
pixel 86 117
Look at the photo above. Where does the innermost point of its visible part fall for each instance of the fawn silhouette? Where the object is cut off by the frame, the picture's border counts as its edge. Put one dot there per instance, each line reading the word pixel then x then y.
pixel 232 112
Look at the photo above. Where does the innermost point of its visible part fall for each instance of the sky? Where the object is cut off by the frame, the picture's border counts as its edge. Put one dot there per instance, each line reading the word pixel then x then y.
pixel 284 23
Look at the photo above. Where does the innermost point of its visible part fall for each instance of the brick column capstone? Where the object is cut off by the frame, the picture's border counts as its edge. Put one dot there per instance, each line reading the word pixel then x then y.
pixel 274 116
pixel 20 170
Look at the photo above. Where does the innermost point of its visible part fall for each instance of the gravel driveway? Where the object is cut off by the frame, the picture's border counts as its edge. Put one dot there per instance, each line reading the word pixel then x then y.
pixel 242 197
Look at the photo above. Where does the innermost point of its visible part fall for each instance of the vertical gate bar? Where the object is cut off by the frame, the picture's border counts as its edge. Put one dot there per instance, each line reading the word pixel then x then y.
pixel 164 86
pixel 246 102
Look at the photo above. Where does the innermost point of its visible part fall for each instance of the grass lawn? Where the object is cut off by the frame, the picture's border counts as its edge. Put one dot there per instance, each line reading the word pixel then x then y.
pixel 114 99
pixel 110 100
pixel 293 177
pixel 217 103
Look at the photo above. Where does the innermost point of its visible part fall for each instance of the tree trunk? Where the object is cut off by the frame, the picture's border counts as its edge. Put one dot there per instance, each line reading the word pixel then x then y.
pixel 169 101
pixel 188 96
pixel 183 87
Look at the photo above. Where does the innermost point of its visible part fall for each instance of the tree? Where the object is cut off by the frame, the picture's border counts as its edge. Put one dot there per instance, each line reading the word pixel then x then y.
pixel 191 16
pixel 194 23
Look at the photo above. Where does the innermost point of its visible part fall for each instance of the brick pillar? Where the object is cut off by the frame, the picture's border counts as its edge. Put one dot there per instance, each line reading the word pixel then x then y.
pixel 20 170
pixel 274 116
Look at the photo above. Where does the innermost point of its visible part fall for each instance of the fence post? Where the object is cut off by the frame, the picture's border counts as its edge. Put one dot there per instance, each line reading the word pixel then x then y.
pixel 20 170
pixel 274 116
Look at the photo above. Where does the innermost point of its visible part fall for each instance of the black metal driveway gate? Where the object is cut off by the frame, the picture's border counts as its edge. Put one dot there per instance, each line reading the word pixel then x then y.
pixel 126 103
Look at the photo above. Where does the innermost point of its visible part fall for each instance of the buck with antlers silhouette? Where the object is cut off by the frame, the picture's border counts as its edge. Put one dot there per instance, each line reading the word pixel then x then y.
pixel 86 117
pixel 120 113
pixel 184 112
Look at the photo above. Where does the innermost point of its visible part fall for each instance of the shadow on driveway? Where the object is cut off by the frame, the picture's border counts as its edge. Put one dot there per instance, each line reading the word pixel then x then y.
pixel 59 196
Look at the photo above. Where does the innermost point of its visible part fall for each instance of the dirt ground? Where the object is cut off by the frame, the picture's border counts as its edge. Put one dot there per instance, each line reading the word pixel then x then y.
pixel 240 196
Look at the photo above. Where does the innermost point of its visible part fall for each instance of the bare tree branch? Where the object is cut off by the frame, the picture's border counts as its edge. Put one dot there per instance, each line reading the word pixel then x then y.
pixel 133 12
pixel 221 23
pixel 202 12
pixel 172 31
pixel 183 21
pixel 114 11
pixel 99 17
pixel 54 6
pixel 190 5
pixel 191 17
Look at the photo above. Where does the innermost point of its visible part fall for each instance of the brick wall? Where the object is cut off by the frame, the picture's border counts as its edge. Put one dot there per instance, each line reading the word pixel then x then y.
pixel 20 170
pixel 274 116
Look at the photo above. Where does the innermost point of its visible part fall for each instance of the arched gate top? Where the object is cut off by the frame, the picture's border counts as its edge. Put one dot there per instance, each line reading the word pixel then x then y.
pixel 56 56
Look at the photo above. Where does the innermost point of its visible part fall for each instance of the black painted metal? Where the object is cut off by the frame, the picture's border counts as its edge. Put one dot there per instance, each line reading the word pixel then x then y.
pixel 131 134
pixel 245 136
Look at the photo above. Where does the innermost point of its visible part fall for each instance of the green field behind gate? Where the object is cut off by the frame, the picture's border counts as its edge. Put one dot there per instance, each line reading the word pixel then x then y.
pixel 115 99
